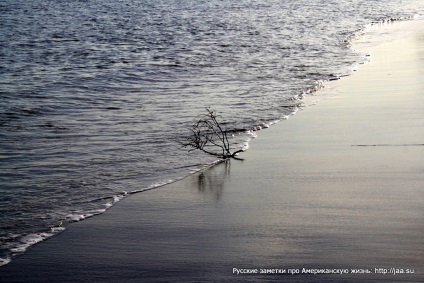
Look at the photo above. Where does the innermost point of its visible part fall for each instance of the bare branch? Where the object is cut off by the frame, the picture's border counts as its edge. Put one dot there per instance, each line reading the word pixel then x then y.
pixel 208 133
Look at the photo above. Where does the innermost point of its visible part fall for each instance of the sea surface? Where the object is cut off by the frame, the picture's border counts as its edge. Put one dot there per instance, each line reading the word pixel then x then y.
pixel 97 96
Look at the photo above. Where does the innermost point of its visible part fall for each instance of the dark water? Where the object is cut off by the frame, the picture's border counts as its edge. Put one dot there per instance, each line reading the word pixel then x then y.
pixel 95 95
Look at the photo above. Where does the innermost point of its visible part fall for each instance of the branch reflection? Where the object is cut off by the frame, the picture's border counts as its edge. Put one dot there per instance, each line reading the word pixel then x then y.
pixel 211 181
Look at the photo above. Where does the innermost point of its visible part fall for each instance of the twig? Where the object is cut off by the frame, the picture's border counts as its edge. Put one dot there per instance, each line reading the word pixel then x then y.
pixel 208 132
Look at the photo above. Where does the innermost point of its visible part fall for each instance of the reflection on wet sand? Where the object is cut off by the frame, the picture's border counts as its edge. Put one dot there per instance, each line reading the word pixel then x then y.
pixel 211 182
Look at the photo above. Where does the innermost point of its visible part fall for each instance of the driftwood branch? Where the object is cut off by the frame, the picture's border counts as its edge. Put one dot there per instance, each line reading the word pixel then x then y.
pixel 208 136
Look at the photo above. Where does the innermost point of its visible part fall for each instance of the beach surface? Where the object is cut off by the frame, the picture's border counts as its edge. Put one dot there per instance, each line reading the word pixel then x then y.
pixel 337 188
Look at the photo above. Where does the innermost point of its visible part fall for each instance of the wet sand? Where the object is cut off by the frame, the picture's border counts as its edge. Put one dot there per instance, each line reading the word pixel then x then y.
pixel 337 187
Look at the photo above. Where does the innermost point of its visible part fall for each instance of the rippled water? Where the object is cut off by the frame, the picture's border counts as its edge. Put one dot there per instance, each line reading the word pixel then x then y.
pixel 95 95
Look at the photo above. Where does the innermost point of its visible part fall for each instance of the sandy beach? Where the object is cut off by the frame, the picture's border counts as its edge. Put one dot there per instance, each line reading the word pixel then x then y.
pixel 333 194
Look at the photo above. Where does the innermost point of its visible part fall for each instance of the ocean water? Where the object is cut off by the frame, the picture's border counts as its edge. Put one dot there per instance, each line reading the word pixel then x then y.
pixel 95 96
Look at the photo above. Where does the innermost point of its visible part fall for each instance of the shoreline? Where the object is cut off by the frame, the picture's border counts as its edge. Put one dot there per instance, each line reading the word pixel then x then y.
pixel 303 197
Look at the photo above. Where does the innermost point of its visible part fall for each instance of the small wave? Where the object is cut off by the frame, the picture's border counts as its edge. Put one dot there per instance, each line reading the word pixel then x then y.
pixel 252 133
pixel 56 230
pixel 164 183
pixel 75 217
pixel 27 241
pixel 24 243
pixel 153 186
pixel 418 17
pixel 115 199
pixel 79 216
pixel 4 261
pixel 317 85
pixel 30 240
